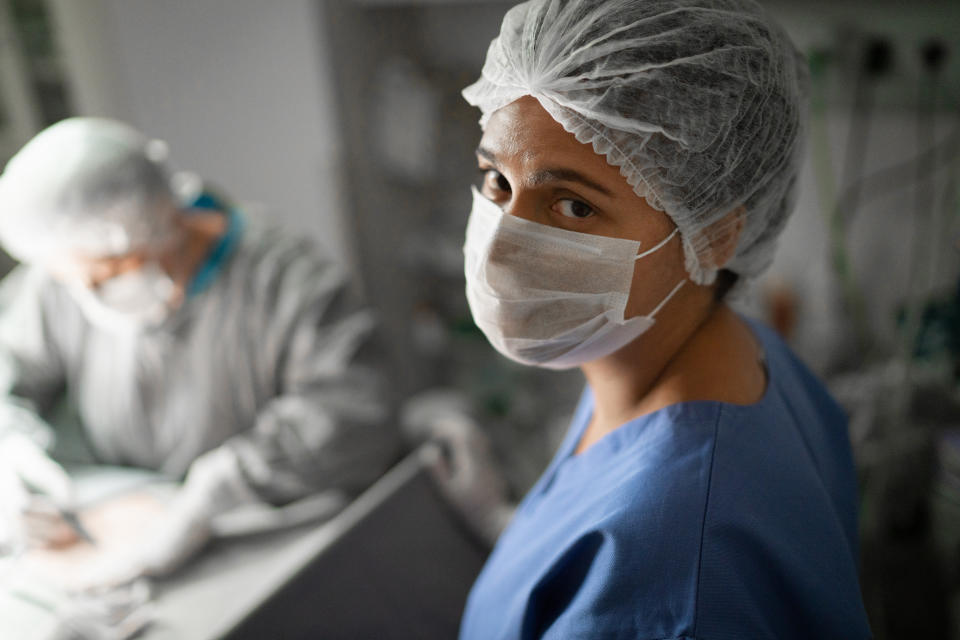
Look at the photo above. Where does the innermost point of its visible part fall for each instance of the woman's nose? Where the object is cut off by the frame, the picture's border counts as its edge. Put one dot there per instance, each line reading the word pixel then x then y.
pixel 523 206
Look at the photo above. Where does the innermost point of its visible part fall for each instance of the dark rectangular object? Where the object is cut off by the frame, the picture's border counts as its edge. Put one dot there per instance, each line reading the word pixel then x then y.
pixel 401 570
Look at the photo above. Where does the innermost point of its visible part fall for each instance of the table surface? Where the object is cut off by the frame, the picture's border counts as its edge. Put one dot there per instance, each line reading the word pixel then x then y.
pixel 230 579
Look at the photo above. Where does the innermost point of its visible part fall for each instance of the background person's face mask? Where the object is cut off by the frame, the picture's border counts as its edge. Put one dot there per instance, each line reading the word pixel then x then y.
pixel 135 299
pixel 550 297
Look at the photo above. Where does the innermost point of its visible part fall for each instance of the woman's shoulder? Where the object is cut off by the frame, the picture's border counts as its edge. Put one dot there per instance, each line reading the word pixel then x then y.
pixel 708 527
pixel 780 521
pixel 778 354
pixel 675 512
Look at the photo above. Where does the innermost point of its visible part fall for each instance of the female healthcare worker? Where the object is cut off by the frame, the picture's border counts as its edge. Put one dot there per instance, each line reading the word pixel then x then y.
pixel 639 159
pixel 188 339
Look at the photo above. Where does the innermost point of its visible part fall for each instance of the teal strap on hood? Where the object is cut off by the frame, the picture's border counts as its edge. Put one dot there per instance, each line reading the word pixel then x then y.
pixel 218 255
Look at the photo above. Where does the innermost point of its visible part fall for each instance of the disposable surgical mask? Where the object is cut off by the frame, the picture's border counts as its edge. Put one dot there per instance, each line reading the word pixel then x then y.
pixel 131 300
pixel 551 297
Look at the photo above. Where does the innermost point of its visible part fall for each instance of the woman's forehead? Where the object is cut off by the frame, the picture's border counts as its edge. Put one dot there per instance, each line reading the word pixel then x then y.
pixel 524 127
pixel 523 136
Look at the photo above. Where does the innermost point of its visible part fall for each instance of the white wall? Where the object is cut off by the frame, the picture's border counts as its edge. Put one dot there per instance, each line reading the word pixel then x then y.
pixel 238 88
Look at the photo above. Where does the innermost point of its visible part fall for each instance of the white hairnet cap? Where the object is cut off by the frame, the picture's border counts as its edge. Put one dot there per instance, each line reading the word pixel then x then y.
pixel 700 103
pixel 89 185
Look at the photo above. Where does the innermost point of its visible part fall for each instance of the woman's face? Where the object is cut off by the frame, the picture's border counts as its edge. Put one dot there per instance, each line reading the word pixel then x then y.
pixel 534 169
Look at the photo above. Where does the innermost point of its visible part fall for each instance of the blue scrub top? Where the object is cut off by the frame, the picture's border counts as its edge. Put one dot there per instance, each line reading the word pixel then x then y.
pixel 703 520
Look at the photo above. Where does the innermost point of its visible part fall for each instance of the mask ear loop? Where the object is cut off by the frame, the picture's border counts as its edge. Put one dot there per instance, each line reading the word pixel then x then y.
pixel 675 231
pixel 659 245
pixel 667 299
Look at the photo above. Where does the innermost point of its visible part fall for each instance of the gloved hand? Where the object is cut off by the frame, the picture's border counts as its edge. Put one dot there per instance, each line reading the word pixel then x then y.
pixel 33 491
pixel 212 487
pixel 462 461
pixel 183 532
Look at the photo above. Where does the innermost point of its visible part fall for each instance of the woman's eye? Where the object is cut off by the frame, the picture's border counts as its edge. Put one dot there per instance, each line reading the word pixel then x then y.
pixel 573 209
pixel 494 181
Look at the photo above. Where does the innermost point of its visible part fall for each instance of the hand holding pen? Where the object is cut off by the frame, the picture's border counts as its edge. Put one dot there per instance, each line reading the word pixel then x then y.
pixel 36 496
pixel 49 524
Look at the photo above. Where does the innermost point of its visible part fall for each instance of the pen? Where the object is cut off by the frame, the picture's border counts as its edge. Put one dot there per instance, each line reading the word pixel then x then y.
pixel 68 514
pixel 70 517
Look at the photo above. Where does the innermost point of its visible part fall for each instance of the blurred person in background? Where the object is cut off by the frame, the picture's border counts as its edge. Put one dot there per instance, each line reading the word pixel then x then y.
pixel 189 340
pixel 639 161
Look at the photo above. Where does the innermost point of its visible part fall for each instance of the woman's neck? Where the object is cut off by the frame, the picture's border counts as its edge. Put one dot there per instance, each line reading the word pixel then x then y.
pixel 710 356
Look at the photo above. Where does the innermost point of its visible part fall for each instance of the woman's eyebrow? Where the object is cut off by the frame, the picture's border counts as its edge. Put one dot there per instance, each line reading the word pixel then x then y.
pixel 486 154
pixel 559 174
pixel 562 174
